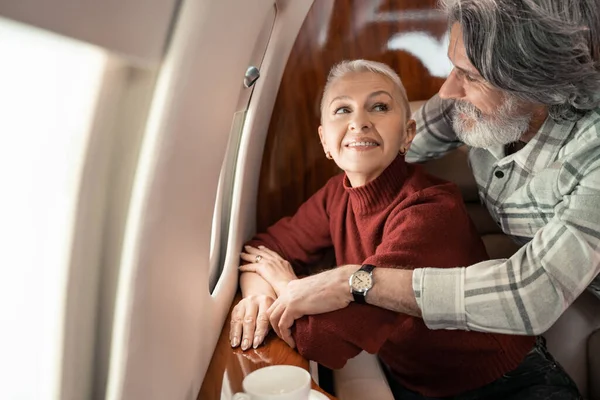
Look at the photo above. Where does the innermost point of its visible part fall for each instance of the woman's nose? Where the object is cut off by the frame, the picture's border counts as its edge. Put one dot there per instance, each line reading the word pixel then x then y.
pixel 452 87
pixel 360 122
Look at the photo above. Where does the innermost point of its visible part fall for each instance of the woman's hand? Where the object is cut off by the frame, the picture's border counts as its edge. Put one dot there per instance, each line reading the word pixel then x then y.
pixel 269 265
pixel 249 321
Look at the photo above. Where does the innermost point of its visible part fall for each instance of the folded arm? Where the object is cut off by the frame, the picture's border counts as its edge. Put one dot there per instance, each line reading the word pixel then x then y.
pixel 434 230
pixel 528 292
pixel 302 238
pixel 297 239
pixel 333 338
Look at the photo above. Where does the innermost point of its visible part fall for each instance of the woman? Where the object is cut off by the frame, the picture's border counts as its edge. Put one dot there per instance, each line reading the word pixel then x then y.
pixel 383 212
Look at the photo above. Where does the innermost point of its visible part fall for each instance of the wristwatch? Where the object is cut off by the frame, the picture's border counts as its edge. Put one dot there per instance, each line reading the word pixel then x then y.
pixel 360 283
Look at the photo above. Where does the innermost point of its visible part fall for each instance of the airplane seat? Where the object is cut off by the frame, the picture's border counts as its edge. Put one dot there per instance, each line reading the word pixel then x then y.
pixel 594 365
pixel 574 339
pixel 361 378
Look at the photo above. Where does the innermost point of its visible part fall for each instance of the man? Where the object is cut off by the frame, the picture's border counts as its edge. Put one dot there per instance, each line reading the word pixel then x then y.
pixel 524 94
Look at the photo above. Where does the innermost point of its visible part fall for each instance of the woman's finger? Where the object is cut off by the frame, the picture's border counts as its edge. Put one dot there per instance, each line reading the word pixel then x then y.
pixel 251 258
pixel 257 257
pixel 263 251
pixel 270 252
pixel 248 268
pixel 271 310
pixel 256 268
pixel 237 318
pixel 262 324
pixel 249 325
pixel 253 251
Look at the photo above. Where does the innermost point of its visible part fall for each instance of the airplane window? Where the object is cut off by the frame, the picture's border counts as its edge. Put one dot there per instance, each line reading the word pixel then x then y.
pixel 49 91
pixel 215 237
pixel 222 213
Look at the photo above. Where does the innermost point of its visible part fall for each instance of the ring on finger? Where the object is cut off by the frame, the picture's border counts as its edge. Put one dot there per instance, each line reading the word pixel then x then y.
pixel 258 258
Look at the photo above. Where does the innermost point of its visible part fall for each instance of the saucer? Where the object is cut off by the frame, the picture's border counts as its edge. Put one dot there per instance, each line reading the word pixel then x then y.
pixel 314 395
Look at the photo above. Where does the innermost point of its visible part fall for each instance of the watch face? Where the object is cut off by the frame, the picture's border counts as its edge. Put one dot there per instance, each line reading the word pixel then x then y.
pixel 362 281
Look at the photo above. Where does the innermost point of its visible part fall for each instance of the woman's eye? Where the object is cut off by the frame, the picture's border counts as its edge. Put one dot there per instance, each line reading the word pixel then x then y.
pixel 380 107
pixel 342 110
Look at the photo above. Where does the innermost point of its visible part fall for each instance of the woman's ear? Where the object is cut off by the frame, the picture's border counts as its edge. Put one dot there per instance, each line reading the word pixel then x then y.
pixel 322 139
pixel 411 131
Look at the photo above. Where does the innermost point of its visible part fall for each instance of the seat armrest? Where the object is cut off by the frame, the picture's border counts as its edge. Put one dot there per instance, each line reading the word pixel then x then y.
pixel 594 365
pixel 568 340
pixel 362 378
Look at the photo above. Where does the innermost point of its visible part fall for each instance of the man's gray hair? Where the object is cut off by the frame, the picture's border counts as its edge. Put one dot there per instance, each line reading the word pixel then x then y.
pixel 542 51
pixel 346 67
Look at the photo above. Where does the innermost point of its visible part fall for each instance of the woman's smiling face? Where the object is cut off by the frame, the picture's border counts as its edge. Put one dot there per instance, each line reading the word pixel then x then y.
pixel 364 125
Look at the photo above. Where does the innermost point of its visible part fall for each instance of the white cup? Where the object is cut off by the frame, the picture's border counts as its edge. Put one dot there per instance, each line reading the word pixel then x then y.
pixel 277 382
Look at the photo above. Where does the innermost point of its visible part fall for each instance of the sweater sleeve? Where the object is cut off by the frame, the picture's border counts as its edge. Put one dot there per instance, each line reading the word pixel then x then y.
pixel 432 228
pixel 302 238
pixel 333 338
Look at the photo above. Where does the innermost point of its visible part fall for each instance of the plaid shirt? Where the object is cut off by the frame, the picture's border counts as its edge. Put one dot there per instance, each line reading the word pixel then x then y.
pixel 546 196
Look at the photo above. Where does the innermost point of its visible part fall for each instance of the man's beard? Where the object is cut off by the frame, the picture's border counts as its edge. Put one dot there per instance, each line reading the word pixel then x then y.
pixel 476 130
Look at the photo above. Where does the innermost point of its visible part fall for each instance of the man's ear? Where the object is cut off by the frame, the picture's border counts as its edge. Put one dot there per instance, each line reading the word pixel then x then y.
pixel 411 131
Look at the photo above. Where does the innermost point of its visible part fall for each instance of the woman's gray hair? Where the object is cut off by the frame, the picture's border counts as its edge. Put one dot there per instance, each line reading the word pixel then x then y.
pixel 346 67
pixel 542 51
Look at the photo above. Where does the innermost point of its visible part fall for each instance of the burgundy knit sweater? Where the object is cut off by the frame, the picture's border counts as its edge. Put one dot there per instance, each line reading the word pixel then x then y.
pixel 404 218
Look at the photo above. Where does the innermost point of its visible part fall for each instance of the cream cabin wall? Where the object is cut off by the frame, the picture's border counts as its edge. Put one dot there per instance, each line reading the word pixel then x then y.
pixel 132 314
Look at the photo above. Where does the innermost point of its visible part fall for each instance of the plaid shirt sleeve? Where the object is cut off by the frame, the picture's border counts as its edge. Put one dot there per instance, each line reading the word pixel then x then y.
pixel 526 293
pixel 435 136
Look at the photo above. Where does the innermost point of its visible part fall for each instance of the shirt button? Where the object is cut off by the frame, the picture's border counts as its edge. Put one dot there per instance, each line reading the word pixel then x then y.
pixel 499 174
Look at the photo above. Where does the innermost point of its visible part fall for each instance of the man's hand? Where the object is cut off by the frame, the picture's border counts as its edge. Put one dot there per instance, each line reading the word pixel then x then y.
pixel 269 265
pixel 316 294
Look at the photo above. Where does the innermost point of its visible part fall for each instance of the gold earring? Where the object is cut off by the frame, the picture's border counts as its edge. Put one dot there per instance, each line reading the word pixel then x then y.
pixel 328 155
pixel 402 151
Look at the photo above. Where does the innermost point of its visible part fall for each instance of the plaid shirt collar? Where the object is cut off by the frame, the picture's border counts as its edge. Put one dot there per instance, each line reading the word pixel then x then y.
pixel 541 150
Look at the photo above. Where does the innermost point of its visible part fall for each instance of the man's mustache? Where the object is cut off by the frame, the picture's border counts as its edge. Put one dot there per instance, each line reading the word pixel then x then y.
pixel 461 106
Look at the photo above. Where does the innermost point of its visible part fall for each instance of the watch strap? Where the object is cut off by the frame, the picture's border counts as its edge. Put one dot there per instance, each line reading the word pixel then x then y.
pixel 367 267
pixel 359 297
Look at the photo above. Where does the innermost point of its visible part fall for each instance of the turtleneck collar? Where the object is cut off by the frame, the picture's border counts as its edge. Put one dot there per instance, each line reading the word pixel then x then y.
pixel 379 192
